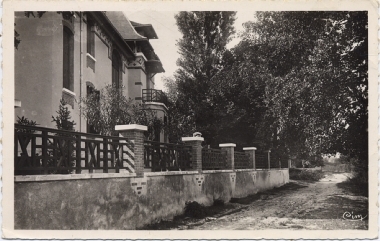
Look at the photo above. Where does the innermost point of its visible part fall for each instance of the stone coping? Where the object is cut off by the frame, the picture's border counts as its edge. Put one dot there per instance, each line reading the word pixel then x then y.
pixel 217 171
pixel 169 173
pixel 245 170
pixel 251 169
pixel 227 145
pixel 249 148
pixel 61 177
pixel 196 138
pixel 131 127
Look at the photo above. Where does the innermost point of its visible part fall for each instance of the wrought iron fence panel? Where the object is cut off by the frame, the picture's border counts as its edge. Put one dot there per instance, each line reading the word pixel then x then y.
pixel 159 156
pixel 214 159
pixel 242 160
pixel 275 163
pixel 40 150
pixel 261 160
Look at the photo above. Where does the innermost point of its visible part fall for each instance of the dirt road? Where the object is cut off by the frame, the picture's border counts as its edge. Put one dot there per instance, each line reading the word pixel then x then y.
pixel 327 204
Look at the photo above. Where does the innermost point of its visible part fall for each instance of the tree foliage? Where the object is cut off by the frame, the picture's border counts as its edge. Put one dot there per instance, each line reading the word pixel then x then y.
pixel 110 107
pixel 205 35
pixel 317 97
pixel 63 118
pixel 296 83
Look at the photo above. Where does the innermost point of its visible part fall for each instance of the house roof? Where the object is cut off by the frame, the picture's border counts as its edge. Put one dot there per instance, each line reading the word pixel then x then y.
pixel 146 30
pixel 154 66
pixel 124 26
pixel 112 31
pixel 132 31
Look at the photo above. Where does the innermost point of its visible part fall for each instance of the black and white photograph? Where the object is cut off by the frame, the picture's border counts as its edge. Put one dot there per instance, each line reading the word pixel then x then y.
pixel 180 121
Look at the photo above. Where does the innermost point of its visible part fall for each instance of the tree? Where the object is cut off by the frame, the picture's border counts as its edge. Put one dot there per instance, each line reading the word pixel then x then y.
pixel 205 35
pixel 317 97
pixel 63 119
pixel 179 124
pixel 110 107
pixel 62 150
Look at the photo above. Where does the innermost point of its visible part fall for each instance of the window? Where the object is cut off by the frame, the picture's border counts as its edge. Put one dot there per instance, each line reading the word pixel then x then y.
pixel 116 66
pixel 90 38
pixel 68 59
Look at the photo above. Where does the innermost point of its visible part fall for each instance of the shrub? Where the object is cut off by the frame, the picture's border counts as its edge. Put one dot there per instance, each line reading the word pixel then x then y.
pixel 109 107
pixel 305 175
pixel 26 122
pixel 67 151
pixel 194 209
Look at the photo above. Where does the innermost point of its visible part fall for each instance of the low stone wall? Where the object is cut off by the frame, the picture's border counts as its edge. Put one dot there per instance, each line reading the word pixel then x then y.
pixel 127 202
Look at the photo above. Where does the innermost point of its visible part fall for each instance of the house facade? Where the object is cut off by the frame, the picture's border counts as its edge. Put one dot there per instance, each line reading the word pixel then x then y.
pixel 68 55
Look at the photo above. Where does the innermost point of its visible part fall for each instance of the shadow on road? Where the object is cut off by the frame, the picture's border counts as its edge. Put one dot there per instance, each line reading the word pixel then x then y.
pixel 353 188
pixel 292 186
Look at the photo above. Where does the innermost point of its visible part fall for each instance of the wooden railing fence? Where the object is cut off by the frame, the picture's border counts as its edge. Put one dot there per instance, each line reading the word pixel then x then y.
pixel 39 150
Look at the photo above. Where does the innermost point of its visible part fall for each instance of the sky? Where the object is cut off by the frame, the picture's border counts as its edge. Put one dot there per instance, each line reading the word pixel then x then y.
pixel 168 34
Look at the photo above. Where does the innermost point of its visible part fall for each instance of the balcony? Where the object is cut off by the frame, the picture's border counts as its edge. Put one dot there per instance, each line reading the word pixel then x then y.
pixel 152 95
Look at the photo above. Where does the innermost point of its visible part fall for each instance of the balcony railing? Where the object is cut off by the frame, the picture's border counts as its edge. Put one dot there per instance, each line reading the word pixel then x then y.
pixel 152 95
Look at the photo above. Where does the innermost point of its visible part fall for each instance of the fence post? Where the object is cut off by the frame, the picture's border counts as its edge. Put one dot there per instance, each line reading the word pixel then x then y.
pixel 251 153
pixel 268 158
pixel 230 148
pixel 136 133
pixel 196 151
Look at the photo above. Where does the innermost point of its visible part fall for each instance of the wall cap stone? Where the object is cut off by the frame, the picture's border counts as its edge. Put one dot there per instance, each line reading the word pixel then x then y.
pixel 249 148
pixel 193 138
pixel 227 145
pixel 58 177
pixel 169 173
pixel 245 170
pixel 131 127
pixel 216 171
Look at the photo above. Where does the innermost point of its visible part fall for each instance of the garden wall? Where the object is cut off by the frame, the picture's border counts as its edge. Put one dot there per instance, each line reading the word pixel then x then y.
pixel 123 201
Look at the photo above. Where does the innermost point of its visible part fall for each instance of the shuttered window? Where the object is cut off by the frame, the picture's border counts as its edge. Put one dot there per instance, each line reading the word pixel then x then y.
pixel 68 59
pixel 116 65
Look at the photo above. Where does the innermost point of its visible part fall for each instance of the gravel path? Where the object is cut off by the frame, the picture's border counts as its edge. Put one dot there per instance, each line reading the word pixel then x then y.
pixel 298 205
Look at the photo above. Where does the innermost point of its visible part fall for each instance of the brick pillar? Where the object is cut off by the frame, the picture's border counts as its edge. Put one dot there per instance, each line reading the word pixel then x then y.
pixel 251 153
pixel 135 133
pixel 196 151
pixel 268 153
pixel 230 148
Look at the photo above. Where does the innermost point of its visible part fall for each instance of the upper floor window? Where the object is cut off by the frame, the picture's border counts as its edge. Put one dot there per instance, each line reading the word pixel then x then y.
pixel 116 66
pixel 68 59
pixel 90 37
